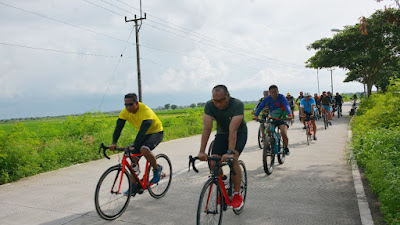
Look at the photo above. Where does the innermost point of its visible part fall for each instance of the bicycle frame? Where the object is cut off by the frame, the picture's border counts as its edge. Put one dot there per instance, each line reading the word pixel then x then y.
pixel 125 164
pixel 274 134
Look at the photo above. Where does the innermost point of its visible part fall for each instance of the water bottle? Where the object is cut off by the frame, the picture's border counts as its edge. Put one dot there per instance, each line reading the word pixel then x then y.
pixel 136 168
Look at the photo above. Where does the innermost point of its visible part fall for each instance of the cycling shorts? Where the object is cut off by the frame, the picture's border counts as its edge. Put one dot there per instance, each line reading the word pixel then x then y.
pixel 327 107
pixel 308 116
pixel 221 141
pixel 277 123
pixel 150 141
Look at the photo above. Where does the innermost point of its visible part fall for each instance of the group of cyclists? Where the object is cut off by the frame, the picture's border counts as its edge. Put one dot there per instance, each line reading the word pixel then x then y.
pixel 310 108
pixel 231 136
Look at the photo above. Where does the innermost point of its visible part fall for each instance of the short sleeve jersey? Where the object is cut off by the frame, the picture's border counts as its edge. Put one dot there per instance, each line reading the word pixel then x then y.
pixel 223 117
pixel 307 105
pixel 325 100
pixel 143 113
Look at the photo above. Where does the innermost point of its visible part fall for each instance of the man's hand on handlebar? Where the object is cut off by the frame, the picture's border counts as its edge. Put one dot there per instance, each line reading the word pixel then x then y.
pixel 113 147
pixel 255 118
pixel 289 118
pixel 202 156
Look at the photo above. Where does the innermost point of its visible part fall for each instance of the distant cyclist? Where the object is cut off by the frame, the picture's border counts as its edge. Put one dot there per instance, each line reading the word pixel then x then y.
pixel 264 112
pixel 279 109
pixel 307 106
pixel 318 103
pixel 298 102
pixel 338 102
pixel 326 102
pixel 290 99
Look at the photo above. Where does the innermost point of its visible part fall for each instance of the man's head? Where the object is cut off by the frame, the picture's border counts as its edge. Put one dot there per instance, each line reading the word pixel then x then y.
pixel 220 96
pixel 273 91
pixel 337 93
pixel 315 95
pixel 301 93
pixel 288 94
pixel 307 95
pixel 131 103
pixel 265 93
pixel 324 93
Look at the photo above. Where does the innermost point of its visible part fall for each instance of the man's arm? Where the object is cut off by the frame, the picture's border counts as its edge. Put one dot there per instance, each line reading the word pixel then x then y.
pixel 118 128
pixel 260 107
pixel 233 128
pixel 207 127
pixel 144 127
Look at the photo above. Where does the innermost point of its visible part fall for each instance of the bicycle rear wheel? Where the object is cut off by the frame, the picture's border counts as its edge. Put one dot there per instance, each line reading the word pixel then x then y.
pixel 159 189
pixel 269 155
pixel 209 210
pixel 110 204
pixel 243 186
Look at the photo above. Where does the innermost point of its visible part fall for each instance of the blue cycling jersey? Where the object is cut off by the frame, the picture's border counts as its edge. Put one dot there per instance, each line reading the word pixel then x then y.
pixel 307 105
pixel 280 104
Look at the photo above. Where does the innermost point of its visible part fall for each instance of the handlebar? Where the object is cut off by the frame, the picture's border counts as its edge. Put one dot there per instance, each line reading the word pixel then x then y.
pixel 192 161
pixel 104 148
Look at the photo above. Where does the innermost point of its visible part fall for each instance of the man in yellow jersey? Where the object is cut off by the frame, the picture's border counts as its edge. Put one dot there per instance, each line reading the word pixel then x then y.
pixel 149 136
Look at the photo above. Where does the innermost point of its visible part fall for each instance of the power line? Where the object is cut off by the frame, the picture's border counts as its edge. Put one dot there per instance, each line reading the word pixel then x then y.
pixel 55 50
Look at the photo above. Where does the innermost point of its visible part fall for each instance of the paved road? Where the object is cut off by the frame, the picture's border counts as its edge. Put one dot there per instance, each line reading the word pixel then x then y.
pixel 314 186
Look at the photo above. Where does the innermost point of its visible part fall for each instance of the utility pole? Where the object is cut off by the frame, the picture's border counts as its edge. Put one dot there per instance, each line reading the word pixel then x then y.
pixel 318 82
pixel 331 80
pixel 137 53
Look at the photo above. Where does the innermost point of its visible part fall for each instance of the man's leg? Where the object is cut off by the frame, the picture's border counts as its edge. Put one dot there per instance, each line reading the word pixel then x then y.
pixel 149 156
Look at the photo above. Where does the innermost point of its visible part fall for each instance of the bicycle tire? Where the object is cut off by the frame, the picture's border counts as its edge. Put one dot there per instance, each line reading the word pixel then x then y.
pixel 308 134
pixel 281 152
pixel 339 111
pixel 160 188
pixel 269 155
pixel 261 136
pixel 104 199
pixel 210 211
pixel 209 154
pixel 325 120
pixel 243 186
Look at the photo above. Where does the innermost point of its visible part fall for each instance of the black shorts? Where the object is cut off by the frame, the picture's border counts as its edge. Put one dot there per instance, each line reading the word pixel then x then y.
pixel 220 145
pixel 277 123
pixel 150 141
pixel 308 116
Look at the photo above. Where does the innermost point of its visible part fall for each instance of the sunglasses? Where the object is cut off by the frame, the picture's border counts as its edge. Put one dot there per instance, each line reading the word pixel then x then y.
pixel 221 101
pixel 129 104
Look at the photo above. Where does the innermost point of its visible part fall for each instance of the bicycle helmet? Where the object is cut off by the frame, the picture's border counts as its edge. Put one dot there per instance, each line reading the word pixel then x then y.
pixel 307 94
pixel 288 93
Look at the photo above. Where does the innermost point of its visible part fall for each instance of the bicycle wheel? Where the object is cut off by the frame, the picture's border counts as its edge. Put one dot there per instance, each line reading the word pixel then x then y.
pixel 159 189
pixel 281 152
pixel 325 120
pixel 308 134
pixel 261 136
pixel 243 186
pixel 208 210
pixel 269 155
pixel 339 111
pixel 110 203
pixel 209 154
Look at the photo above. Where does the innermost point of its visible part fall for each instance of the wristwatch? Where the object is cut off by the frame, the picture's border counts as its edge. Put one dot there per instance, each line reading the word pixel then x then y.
pixel 230 152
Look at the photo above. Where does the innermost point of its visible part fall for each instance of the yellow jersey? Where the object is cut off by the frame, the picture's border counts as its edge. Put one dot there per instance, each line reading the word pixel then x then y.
pixel 143 113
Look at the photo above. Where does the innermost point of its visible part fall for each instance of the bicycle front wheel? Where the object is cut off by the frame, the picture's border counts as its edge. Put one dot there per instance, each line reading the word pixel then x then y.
pixel 209 210
pixel 308 134
pixel 269 155
pixel 261 136
pixel 243 186
pixel 159 189
pixel 281 152
pixel 109 198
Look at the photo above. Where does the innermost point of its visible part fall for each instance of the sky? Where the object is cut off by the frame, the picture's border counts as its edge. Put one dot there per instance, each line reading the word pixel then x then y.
pixel 77 56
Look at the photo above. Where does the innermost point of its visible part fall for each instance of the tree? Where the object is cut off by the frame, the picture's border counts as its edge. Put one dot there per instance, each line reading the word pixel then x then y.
pixel 174 106
pixel 193 105
pixel 166 106
pixel 201 104
pixel 369 50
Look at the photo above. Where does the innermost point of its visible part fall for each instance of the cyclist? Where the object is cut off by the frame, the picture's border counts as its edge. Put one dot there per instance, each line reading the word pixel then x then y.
pixel 318 103
pixel 279 108
pixel 231 134
pixel 149 136
pixel 290 99
pixel 326 105
pixel 307 106
pixel 265 110
pixel 338 102
pixel 298 102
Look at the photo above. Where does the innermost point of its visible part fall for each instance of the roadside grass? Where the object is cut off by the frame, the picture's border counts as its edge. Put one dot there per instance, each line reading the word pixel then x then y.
pixel 376 143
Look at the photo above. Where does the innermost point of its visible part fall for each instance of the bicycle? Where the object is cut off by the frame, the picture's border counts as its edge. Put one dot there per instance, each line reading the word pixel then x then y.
pixel 326 119
pixel 273 146
pixel 308 129
pixel 339 110
pixel 110 199
pixel 215 197
pixel 261 136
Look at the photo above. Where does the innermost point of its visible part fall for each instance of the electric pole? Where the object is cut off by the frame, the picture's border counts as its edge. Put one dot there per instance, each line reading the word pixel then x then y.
pixel 137 53
pixel 331 79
